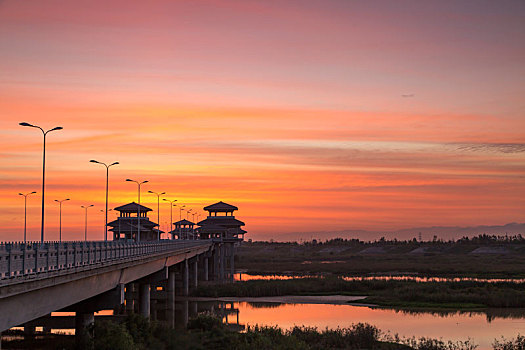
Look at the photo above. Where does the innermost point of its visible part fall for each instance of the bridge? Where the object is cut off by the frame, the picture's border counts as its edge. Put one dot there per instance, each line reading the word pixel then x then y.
pixel 39 278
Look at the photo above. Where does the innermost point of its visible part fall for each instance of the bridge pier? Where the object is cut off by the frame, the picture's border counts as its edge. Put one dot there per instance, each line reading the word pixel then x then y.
pixel 185 312
pixel 170 305
pixel 185 278
pixel 129 297
pixel 232 267
pixel 216 264
pixel 195 273
pixel 206 267
pixel 29 329
pixel 83 331
pixel 221 263
pixel 144 299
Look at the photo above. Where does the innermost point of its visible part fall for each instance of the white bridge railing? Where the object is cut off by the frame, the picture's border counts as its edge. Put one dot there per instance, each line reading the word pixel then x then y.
pixel 18 259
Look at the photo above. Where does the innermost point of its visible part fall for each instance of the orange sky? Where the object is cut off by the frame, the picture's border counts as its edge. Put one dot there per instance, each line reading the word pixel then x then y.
pixel 291 110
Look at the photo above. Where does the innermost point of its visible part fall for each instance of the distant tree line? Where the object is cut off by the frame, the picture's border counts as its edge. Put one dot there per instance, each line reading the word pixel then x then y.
pixel 482 239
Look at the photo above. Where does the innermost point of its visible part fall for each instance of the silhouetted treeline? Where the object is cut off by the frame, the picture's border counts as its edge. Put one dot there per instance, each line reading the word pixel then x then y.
pixel 482 239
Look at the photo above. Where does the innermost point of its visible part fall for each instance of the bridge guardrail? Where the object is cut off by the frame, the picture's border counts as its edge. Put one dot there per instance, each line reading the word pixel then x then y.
pixel 18 259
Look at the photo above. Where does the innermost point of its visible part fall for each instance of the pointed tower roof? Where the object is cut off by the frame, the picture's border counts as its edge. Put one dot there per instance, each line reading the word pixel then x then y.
pixel 184 222
pixel 132 208
pixel 221 207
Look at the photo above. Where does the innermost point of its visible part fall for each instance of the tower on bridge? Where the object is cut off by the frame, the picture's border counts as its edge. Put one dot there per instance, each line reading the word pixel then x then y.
pixel 126 227
pixel 221 223
pixel 184 229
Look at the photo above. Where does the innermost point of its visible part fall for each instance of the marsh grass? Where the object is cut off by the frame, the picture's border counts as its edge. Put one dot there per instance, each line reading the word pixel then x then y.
pixel 455 295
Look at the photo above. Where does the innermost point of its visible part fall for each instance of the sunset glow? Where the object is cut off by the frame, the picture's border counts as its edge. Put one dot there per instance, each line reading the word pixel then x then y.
pixel 307 115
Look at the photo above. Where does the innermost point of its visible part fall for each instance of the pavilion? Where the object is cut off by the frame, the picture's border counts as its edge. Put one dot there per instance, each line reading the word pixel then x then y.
pixel 126 227
pixel 184 229
pixel 221 223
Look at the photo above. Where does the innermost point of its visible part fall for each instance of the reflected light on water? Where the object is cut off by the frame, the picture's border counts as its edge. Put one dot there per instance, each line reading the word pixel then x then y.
pixel 454 326
pixel 248 277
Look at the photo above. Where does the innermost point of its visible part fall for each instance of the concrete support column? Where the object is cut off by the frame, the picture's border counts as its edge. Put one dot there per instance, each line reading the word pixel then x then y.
pixel 170 306
pixel 216 264
pixel 144 299
pixel 222 261
pixel 129 297
pixel 195 274
pixel 29 329
pixel 185 312
pixel 83 331
pixel 232 267
pixel 170 290
pixel 206 266
pixel 185 278
pixel 194 309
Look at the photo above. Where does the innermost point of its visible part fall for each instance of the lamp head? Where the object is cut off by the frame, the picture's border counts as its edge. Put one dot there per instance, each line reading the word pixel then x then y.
pixel 33 192
pixel 115 163
pixel 130 180
pixel 20 193
pixel 145 181
pixel 67 199
pixel 93 161
pixel 151 192
pixel 25 124
pixel 163 193
pixel 57 128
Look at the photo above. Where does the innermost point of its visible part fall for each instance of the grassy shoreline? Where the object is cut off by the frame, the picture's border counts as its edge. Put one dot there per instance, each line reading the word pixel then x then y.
pixel 397 294
pixel 356 258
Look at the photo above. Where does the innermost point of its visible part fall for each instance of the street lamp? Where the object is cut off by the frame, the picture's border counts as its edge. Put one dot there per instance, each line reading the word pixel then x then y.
pixel 85 222
pixel 180 219
pixel 43 170
pixel 138 183
pixel 60 220
pixel 172 204
pixel 107 184
pixel 25 212
pixel 106 222
pixel 158 208
pixel 188 214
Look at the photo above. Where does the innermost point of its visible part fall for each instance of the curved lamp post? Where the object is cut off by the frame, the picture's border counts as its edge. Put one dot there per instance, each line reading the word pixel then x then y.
pixel 172 204
pixel 105 222
pixel 181 209
pixel 60 218
pixel 25 213
pixel 85 222
pixel 158 208
pixel 138 183
pixel 43 170
pixel 107 185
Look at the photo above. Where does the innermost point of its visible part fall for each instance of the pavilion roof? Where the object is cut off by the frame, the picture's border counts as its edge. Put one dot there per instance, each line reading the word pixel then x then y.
pixel 221 207
pixel 133 221
pixel 212 228
pixel 184 222
pixel 222 221
pixel 126 227
pixel 132 208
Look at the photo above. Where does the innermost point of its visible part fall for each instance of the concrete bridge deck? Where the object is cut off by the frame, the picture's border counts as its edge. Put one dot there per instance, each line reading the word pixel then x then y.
pixel 39 278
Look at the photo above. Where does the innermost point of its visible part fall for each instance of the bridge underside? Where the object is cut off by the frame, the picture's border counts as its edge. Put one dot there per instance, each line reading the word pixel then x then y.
pixel 30 299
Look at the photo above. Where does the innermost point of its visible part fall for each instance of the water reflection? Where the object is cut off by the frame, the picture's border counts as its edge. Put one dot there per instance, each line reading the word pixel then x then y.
pixel 481 326
pixel 247 277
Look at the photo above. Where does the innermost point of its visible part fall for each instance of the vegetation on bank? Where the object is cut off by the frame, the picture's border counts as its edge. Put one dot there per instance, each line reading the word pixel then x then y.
pixel 391 293
pixel 499 257
pixel 208 332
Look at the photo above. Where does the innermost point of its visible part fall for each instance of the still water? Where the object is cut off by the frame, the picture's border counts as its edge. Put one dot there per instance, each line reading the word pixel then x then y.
pixel 481 327
pixel 247 277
